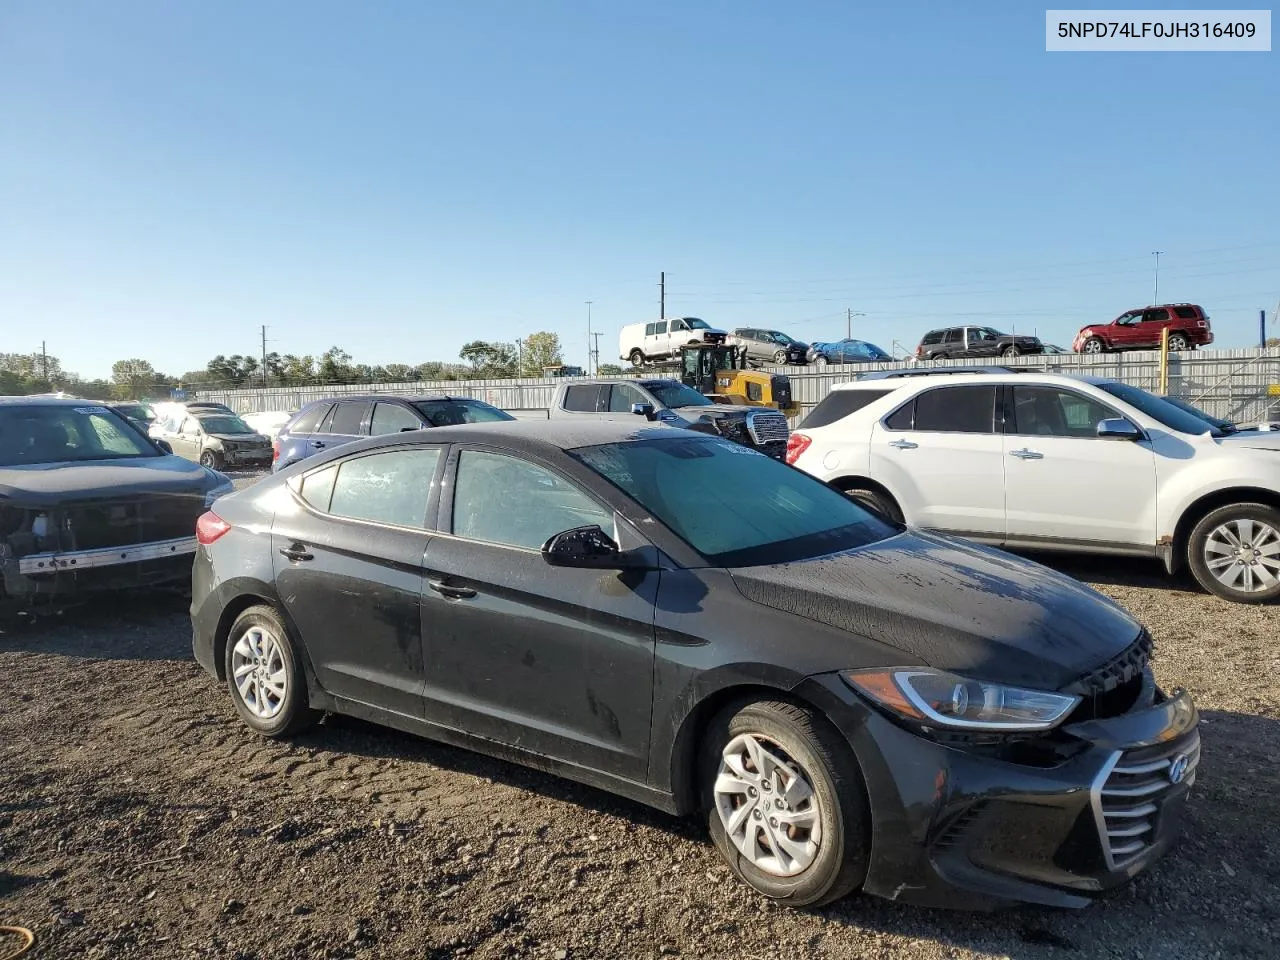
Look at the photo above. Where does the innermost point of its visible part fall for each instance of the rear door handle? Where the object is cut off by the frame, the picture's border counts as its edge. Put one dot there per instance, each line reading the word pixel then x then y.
pixel 1025 454
pixel 449 591
pixel 296 553
pixel 903 444
pixel 318 444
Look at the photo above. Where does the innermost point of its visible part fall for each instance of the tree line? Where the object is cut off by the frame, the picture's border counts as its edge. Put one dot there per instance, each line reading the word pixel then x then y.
pixel 137 379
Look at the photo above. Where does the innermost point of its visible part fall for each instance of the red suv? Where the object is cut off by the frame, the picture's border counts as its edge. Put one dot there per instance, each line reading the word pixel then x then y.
pixel 1187 323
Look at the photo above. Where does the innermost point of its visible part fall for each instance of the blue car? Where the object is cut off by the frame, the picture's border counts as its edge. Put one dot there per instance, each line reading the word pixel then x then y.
pixel 326 424
pixel 846 351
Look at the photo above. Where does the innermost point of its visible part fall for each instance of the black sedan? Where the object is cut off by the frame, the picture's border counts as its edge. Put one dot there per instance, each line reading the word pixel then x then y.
pixel 90 504
pixel 676 618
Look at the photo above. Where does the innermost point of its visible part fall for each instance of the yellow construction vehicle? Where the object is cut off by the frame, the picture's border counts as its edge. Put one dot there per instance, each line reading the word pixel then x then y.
pixel 720 371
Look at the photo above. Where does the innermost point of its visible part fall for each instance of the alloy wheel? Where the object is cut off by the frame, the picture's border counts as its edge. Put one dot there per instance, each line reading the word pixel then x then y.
pixel 1244 555
pixel 1093 346
pixel 258 671
pixel 1177 343
pixel 767 806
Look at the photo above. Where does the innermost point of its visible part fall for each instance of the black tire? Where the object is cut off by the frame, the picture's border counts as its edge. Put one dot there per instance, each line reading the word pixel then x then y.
pixel 295 713
pixel 1178 342
pixel 805 740
pixel 1094 345
pixel 1010 351
pixel 938 356
pixel 780 358
pixel 820 360
pixel 1259 514
pixel 877 502
pixel 637 358
pixel 210 459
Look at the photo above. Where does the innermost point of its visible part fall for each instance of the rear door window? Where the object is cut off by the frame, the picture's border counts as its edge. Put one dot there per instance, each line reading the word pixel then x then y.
pixel 1186 313
pixel 1159 315
pixel 948 410
pixel 584 398
pixel 955 335
pixel 838 404
pixel 349 418
pixel 390 487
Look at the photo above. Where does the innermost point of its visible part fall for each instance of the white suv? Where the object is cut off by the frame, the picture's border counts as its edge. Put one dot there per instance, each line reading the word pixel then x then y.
pixel 1045 461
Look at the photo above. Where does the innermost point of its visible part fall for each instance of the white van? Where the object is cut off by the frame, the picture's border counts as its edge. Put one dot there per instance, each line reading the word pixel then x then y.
pixel 661 339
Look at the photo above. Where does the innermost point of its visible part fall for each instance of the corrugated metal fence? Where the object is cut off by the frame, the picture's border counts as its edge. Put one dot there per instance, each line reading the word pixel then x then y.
pixel 1235 384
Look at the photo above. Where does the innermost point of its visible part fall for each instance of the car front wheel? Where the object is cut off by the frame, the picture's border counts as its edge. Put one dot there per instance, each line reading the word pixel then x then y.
pixel 210 459
pixel 1094 345
pixel 1234 553
pixel 785 803
pixel 264 675
pixel 821 360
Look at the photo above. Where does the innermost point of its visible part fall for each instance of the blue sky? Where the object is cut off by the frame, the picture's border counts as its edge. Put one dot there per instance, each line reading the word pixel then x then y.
pixel 399 178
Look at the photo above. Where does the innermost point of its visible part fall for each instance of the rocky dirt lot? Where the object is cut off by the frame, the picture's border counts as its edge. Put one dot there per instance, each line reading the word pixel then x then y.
pixel 139 818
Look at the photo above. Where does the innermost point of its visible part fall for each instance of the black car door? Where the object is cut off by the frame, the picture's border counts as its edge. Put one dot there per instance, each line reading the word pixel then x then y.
pixel 554 660
pixel 348 549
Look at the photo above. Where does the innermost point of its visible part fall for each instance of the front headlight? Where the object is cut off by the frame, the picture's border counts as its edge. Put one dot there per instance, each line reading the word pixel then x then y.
pixel 938 699
pixel 224 487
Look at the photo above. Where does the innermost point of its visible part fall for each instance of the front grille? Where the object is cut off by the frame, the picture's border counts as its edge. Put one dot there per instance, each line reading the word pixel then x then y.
pixel 781 387
pixel 1133 789
pixel 1112 689
pixel 767 427
pixel 119 523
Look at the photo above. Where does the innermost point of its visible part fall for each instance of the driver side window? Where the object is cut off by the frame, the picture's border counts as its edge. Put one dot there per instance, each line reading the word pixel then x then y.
pixel 504 500
pixel 1051 412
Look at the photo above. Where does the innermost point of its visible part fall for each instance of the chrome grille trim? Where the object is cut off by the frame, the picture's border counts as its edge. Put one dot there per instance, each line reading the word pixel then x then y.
pixel 767 427
pixel 1127 797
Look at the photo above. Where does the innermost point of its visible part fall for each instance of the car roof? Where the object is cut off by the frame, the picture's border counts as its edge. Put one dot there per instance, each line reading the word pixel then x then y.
pixel 898 380
pixel 405 397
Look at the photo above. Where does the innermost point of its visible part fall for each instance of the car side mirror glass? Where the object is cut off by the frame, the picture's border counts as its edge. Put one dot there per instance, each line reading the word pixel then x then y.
pixel 643 410
pixel 586 547
pixel 1118 428
pixel 163 446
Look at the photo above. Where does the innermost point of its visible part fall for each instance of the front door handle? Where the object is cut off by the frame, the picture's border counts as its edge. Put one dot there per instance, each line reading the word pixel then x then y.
pixel 297 553
pixel 903 444
pixel 1025 454
pixel 449 591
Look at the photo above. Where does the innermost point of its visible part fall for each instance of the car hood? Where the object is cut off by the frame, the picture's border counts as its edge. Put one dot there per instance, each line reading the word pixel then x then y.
pixel 714 410
pixel 1253 439
pixel 241 437
pixel 955 606
pixel 51 483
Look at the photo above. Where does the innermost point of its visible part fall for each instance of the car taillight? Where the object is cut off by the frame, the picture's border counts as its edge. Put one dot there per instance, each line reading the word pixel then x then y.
pixel 797 444
pixel 275 449
pixel 210 527
pixel 919 351
pixel 1202 323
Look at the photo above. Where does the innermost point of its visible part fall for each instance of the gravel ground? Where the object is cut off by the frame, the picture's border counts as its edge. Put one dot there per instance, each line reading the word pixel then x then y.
pixel 139 818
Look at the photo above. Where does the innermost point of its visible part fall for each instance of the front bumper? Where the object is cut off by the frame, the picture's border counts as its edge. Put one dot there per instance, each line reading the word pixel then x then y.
pixel 978 827
pixel 257 458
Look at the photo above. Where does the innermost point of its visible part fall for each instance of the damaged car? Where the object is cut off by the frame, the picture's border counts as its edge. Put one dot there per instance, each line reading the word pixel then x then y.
pixel 89 504
pixel 219 441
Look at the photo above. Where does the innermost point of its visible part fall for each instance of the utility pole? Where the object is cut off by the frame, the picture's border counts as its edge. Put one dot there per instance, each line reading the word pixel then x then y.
pixel 1156 298
pixel 850 313
pixel 264 356
pixel 662 295
pixel 596 356
pixel 588 334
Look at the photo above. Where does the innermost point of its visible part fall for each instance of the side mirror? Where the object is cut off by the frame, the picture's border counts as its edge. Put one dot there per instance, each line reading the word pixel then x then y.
pixel 164 446
pixel 1118 428
pixel 583 547
pixel 644 410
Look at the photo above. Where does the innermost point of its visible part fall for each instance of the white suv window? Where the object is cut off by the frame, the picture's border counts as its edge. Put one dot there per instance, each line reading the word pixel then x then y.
pixel 968 409
pixel 1055 412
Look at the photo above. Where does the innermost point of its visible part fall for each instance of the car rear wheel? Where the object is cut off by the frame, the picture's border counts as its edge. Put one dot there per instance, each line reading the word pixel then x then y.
pixel 1094 345
pixel 785 803
pixel 637 358
pixel 1011 351
pixel 210 459
pixel 1234 552
pixel 1178 342
pixel 264 675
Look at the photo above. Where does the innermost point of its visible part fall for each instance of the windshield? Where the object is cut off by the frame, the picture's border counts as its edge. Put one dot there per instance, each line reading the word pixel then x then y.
pixel 695 324
pixel 1159 409
pixel 224 425
pixel 135 411
pixel 447 413
pixel 735 506
pixel 58 434
pixel 671 393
